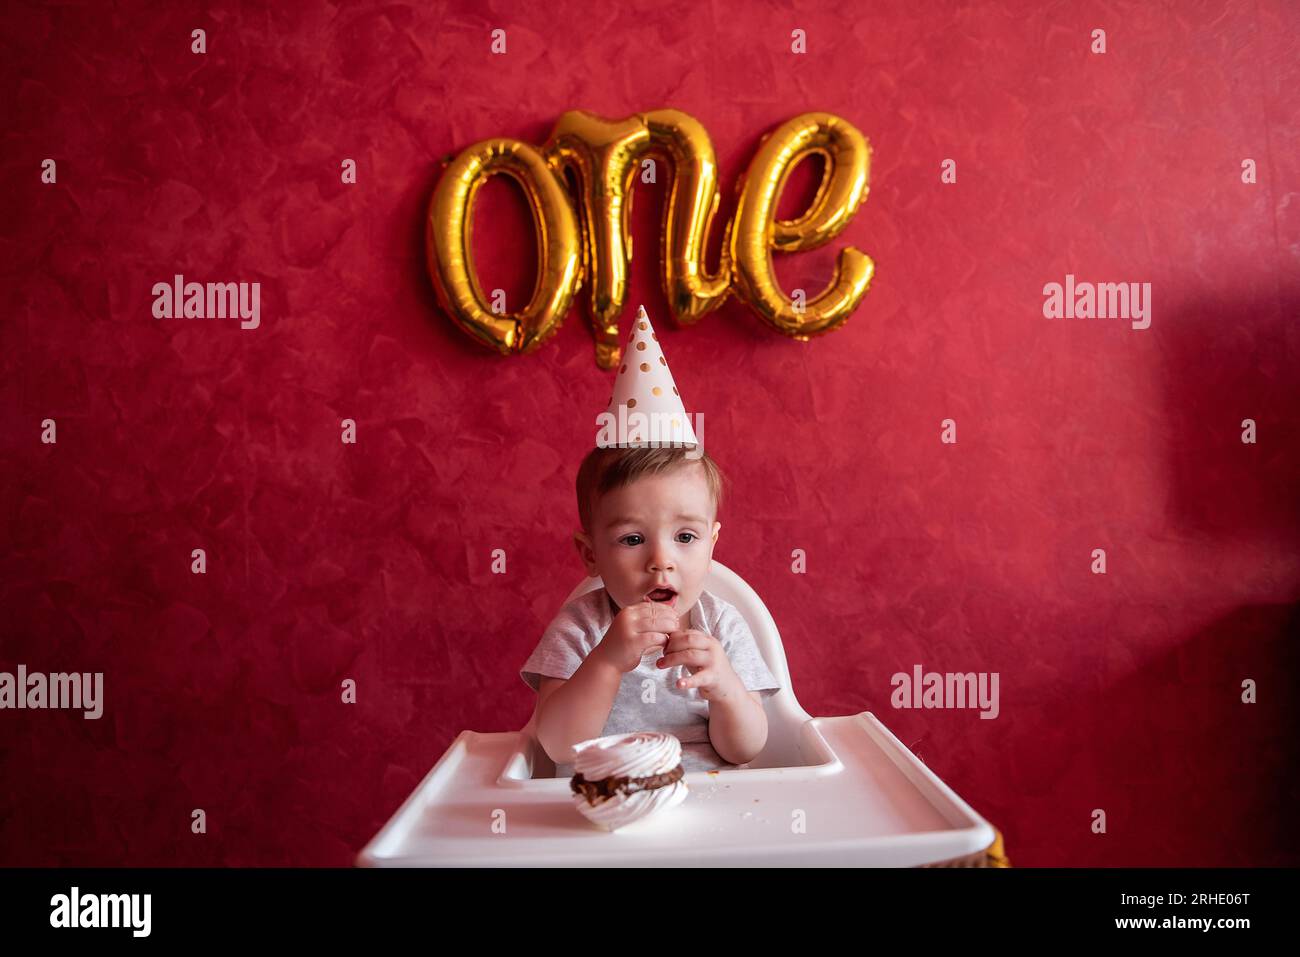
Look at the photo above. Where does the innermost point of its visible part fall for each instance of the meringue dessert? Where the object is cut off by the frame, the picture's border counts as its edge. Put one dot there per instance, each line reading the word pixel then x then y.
pixel 622 778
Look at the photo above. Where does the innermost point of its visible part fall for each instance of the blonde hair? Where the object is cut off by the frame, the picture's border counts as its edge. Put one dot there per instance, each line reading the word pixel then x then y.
pixel 604 470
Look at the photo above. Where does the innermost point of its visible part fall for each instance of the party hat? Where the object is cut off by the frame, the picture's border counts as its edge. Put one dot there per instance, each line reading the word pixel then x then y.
pixel 646 409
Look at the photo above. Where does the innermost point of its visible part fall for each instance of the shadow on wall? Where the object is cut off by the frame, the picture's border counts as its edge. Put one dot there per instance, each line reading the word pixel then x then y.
pixel 1188 774
pixel 1227 361
pixel 1152 729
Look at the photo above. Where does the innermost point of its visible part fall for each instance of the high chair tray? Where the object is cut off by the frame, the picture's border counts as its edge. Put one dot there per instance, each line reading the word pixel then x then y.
pixel 863 800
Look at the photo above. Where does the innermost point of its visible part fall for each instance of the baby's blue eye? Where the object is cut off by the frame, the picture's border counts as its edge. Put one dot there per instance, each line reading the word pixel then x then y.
pixel 692 535
pixel 626 537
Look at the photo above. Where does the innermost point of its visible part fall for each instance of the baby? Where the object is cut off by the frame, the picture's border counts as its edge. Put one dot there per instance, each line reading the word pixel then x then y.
pixel 651 650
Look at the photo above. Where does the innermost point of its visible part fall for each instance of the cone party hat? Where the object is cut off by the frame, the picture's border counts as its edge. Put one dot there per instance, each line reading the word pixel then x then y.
pixel 646 408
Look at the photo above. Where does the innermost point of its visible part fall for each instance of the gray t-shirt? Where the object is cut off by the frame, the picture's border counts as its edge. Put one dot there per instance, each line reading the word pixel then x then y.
pixel 648 698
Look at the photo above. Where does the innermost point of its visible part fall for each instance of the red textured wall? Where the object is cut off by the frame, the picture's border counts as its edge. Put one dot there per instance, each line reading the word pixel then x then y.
pixel 372 561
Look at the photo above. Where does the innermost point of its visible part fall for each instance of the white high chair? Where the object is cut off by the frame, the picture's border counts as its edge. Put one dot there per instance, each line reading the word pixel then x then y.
pixel 824 791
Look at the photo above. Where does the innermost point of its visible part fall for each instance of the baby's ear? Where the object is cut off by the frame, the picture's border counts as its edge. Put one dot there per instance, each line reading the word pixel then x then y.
pixel 717 527
pixel 588 557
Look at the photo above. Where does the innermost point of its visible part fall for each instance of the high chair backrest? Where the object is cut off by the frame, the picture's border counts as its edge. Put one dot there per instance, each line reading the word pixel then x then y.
pixel 783 710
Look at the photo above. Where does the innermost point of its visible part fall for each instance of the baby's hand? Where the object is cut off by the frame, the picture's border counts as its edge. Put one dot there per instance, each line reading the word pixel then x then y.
pixel 637 629
pixel 710 667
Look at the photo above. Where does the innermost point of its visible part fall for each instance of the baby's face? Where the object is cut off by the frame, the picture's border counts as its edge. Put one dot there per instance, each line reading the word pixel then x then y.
pixel 657 530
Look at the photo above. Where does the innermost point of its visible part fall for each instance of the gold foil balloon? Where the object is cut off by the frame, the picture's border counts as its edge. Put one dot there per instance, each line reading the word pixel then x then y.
pixel 448 246
pixel 605 156
pixel 756 231
pixel 691 291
